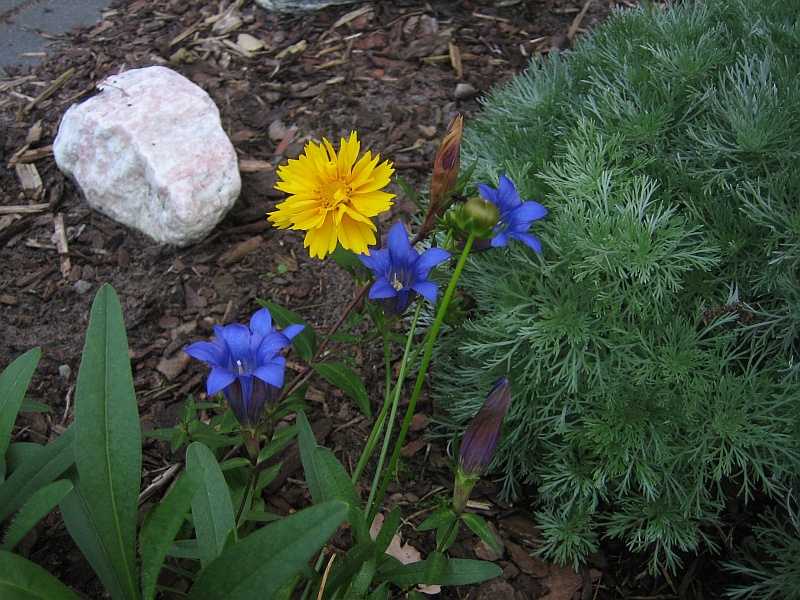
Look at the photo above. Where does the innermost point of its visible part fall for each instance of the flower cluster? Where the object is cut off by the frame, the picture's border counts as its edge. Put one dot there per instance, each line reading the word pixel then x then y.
pixel 246 365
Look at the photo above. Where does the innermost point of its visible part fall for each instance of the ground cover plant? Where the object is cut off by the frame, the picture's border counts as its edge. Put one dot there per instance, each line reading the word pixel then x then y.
pixel 653 343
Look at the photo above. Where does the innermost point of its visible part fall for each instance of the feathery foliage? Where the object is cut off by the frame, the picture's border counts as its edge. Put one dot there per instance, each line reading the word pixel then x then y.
pixel 651 346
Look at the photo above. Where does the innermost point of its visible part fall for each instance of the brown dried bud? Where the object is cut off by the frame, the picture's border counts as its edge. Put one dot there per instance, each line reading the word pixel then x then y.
pixel 446 167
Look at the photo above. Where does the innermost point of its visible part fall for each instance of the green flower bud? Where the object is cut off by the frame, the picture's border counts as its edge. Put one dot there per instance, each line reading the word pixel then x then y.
pixel 479 217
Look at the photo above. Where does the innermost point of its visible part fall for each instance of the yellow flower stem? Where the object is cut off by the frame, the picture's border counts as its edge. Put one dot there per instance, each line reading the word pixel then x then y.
pixel 393 400
pixel 423 368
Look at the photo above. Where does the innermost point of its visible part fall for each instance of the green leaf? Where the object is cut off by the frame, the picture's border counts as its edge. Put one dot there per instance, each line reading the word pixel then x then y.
pixel 336 484
pixel 455 571
pixel 108 451
pixel 260 564
pixel 481 529
pixel 212 510
pixel 14 382
pixel 347 380
pixel 305 342
pixel 159 532
pixel 380 593
pixel 444 515
pixel 38 466
pixel 451 533
pixel 307 443
pixel 348 260
pixel 279 441
pixel 390 525
pixel 36 508
pixel 22 579
pixel 29 405
pixel 83 529
pixel 435 565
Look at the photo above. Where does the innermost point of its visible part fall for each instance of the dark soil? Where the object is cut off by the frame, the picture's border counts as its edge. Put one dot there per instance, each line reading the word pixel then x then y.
pixel 385 69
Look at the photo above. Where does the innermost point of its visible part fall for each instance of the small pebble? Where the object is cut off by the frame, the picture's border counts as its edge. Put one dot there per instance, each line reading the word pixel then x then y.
pixel 65 371
pixel 465 91
pixel 82 286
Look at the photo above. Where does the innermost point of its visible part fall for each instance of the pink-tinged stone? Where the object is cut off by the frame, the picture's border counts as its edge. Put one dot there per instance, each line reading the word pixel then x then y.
pixel 149 151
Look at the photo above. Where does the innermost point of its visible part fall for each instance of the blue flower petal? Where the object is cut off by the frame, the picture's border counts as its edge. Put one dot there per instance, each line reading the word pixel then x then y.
pixel 214 353
pixel 500 240
pixel 531 241
pixel 272 373
pixel 262 322
pixel 292 330
pixel 269 347
pixel 529 211
pixel 219 379
pixel 237 337
pixel 429 259
pixel 382 289
pixel 378 261
pixel 428 289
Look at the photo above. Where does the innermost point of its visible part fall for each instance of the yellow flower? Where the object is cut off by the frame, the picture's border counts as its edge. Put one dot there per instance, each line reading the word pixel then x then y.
pixel 332 197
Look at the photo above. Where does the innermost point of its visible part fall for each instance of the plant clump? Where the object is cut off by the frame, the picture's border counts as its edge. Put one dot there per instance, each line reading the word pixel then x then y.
pixel 652 344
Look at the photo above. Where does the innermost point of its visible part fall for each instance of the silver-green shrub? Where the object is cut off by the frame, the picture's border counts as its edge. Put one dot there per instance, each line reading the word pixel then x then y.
pixel 652 345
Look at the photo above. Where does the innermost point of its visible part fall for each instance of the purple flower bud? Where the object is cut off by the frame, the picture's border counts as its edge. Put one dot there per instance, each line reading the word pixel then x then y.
pixel 480 439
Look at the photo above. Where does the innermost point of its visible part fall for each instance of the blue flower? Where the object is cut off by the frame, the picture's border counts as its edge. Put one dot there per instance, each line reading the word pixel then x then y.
pixel 246 365
pixel 515 215
pixel 401 272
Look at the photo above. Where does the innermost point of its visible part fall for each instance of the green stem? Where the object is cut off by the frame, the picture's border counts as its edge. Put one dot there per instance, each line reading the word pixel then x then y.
pixel 423 368
pixel 394 403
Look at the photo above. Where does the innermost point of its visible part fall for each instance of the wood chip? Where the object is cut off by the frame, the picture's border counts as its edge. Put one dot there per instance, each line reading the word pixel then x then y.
pixel 30 180
pixel 455 59
pixel 32 155
pixel 23 209
pixel 61 244
pixel 49 91
pixel 253 166
pixel 240 251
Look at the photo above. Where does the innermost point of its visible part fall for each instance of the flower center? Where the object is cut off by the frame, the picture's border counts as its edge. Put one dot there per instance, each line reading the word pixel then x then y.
pixel 333 193
pixel 396 283
pixel 240 367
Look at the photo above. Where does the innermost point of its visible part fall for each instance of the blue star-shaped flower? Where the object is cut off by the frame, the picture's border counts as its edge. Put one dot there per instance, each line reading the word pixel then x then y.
pixel 401 272
pixel 246 365
pixel 515 215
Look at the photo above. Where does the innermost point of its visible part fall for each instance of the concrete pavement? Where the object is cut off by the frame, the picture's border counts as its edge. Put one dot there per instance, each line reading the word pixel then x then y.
pixel 23 23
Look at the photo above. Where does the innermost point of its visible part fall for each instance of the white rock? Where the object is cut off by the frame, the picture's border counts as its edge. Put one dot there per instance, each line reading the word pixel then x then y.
pixel 299 5
pixel 149 151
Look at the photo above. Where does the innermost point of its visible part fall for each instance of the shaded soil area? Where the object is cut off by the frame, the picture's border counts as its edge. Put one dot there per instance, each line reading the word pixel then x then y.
pixel 396 72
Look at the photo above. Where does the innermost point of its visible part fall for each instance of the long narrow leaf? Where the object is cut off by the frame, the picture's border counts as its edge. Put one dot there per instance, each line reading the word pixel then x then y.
pixel 455 571
pixel 160 531
pixel 212 509
pixel 35 509
pixel 336 485
pixel 84 530
pixel 307 443
pixel 347 380
pixel 108 450
pixel 22 579
pixel 14 381
pixel 36 467
pixel 260 564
